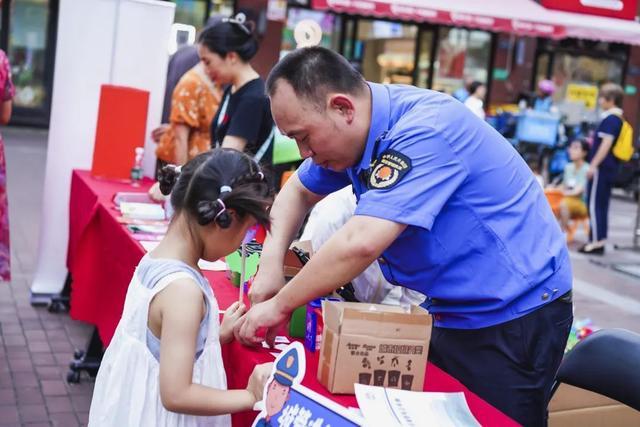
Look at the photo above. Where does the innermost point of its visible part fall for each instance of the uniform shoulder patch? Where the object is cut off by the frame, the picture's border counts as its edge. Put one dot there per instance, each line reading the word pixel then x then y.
pixel 389 169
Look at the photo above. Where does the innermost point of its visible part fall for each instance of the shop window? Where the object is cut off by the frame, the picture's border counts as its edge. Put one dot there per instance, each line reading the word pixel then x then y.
pixel 221 7
pixel 569 69
pixel 424 59
pixel 462 55
pixel 191 16
pixel 542 67
pixel 190 12
pixel 328 22
pixel 384 51
pixel 27 51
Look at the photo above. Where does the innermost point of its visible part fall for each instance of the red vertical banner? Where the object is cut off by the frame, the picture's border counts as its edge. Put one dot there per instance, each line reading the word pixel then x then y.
pixel 121 127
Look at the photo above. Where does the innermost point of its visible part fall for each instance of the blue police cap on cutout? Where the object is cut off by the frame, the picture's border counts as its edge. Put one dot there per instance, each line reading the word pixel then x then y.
pixel 287 368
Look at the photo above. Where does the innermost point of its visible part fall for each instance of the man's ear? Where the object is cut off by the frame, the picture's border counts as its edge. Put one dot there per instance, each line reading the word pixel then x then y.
pixel 343 105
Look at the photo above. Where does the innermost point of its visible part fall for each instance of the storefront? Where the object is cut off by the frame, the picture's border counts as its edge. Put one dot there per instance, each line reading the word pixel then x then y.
pixel 28 36
pixel 399 51
pixel 509 46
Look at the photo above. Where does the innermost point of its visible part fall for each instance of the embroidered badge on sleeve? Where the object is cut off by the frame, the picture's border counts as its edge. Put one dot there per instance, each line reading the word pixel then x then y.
pixel 389 169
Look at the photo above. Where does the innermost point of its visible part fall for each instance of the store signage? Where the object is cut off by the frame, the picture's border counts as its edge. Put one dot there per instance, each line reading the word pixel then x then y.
pixel 583 93
pixel 630 90
pixel 623 9
pixel 439 16
pixel 500 74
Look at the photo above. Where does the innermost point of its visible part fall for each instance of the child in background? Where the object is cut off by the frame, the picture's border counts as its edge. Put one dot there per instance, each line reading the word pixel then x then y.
pixel 164 366
pixel 574 183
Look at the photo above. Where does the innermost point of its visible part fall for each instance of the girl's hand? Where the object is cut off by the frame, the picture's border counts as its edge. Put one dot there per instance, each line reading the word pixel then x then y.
pixel 231 315
pixel 155 194
pixel 258 379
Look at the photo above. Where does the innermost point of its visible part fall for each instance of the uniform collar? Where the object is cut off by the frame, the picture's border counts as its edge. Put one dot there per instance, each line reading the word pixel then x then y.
pixel 615 110
pixel 380 114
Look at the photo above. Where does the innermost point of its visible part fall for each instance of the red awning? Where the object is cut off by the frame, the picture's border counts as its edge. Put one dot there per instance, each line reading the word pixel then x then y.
pixel 523 17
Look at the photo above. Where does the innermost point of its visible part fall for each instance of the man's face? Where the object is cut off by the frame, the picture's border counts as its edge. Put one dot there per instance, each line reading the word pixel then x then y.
pixel 325 133
pixel 277 395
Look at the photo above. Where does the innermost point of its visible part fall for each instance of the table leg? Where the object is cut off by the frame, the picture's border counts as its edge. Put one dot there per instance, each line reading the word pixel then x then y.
pixel 60 303
pixel 86 360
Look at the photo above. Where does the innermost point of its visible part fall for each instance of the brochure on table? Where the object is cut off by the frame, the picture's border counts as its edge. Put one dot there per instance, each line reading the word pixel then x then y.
pixel 388 407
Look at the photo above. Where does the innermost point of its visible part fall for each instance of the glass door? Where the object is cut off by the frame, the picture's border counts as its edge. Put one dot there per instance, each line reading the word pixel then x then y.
pixel 384 51
pixel 27 52
pixel 463 56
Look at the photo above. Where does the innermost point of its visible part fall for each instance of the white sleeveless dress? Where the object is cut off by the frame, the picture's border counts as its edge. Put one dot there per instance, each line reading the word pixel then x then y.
pixel 127 388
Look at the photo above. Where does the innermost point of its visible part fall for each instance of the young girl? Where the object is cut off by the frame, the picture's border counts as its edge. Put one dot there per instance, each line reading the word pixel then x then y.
pixel 164 366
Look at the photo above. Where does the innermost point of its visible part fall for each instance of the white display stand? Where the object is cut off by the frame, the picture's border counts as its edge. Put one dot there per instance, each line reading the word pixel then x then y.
pixel 120 42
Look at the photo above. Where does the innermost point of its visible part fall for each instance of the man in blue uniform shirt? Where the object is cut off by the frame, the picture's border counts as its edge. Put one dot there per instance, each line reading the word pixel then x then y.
pixel 447 206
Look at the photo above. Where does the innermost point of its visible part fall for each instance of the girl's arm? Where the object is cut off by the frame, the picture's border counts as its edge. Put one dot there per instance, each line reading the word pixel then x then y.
pixel 181 308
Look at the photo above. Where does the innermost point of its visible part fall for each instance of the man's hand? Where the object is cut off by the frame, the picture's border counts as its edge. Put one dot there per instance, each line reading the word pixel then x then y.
pixel 265 285
pixel 260 323
pixel 157 133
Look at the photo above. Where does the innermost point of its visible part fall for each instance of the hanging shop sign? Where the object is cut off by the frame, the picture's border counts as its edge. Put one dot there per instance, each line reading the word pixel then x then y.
pixel 622 9
pixel 585 93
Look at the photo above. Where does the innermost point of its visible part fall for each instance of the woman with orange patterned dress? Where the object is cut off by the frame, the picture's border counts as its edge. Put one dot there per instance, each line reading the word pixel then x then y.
pixel 193 104
pixel 7 91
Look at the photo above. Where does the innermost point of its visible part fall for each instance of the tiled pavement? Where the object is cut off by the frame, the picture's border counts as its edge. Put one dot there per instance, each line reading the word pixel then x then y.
pixel 36 346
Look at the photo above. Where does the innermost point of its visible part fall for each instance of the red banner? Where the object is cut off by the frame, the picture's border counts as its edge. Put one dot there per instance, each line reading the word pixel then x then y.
pixel 623 9
pixel 426 14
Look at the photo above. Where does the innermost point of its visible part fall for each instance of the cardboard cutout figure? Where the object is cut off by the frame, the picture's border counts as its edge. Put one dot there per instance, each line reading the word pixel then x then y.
pixel 287 402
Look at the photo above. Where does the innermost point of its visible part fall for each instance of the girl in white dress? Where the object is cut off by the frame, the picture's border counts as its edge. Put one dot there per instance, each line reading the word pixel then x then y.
pixel 163 366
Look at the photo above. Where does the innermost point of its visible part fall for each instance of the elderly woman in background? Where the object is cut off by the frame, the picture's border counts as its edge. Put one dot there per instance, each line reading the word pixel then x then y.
pixel 8 91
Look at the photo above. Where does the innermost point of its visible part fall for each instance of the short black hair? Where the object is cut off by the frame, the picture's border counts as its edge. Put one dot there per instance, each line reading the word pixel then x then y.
pixel 584 144
pixel 199 188
pixel 227 36
pixel 473 87
pixel 312 72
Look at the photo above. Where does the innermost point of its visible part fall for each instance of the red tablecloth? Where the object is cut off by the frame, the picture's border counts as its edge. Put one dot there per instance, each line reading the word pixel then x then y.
pixel 103 255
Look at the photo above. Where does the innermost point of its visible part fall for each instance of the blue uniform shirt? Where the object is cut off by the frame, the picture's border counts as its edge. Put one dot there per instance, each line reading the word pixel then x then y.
pixel 481 242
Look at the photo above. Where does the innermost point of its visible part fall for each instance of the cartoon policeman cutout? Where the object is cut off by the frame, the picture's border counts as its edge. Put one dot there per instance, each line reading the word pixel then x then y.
pixel 277 390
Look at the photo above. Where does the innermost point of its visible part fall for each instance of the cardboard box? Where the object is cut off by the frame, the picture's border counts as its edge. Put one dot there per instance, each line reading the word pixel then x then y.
pixel 373 344
pixel 576 407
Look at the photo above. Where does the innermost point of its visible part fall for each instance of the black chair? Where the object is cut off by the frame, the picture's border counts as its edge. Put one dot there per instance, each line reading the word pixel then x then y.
pixel 606 362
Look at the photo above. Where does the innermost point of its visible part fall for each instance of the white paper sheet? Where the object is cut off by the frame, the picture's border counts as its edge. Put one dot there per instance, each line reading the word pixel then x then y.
pixel 386 407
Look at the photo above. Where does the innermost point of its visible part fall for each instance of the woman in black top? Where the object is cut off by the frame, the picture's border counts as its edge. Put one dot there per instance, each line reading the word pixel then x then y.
pixel 243 120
